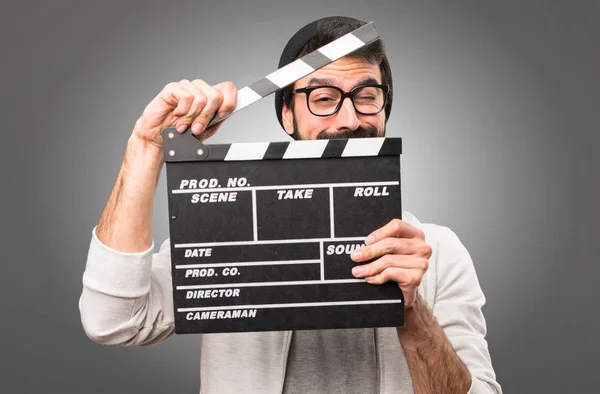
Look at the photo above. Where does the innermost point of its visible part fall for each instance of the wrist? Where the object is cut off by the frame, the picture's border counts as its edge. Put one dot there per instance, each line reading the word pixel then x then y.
pixel 147 135
pixel 143 155
pixel 419 321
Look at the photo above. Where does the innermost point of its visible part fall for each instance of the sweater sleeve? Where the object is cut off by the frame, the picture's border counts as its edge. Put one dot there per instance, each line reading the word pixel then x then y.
pixel 126 297
pixel 458 309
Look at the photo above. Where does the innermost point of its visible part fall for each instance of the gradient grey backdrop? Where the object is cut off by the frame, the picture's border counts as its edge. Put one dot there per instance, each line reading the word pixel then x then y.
pixel 497 104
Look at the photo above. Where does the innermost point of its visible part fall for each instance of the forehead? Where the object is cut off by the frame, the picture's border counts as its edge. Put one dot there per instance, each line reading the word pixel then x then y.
pixel 345 72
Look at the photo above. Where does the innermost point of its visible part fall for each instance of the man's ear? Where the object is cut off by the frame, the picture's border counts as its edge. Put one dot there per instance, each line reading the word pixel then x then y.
pixel 287 117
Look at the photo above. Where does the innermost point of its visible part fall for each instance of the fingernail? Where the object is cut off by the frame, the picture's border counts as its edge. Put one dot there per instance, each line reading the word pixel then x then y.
pixel 370 239
pixel 357 271
pixel 224 115
pixel 356 255
pixel 196 128
pixel 181 127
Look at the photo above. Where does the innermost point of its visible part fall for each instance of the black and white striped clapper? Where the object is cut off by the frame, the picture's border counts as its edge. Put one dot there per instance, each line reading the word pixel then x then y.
pixel 261 233
pixel 299 68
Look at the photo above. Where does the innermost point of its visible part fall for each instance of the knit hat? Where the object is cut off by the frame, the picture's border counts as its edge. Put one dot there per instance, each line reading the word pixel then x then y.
pixel 301 38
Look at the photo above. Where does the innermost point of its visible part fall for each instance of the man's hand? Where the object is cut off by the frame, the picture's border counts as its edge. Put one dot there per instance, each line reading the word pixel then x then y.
pixel 126 221
pixel 183 104
pixel 400 254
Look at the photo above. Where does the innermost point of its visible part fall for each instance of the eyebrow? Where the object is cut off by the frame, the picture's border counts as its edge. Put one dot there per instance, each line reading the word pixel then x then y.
pixel 368 81
pixel 320 81
pixel 329 81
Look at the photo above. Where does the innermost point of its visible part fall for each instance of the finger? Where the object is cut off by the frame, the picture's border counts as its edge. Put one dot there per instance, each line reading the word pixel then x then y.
pixel 174 95
pixel 174 99
pixel 214 99
pixel 197 106
pixel 408 280
pixel 390 261
pixel 395 228
pixel 229 92
pixel 386 246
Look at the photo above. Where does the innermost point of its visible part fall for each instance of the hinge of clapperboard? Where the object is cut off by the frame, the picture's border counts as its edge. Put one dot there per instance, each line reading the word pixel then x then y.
pixel 185 147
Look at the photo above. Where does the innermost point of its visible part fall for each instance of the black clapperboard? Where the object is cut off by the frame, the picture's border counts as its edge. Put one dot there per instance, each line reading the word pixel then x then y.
pixel 261 233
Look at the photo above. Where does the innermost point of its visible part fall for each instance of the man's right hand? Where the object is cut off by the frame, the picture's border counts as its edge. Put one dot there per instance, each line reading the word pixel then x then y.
pixel 185 104
pixel 126 221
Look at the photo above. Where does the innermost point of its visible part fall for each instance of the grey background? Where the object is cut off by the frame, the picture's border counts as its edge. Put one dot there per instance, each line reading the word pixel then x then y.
pixel 497 103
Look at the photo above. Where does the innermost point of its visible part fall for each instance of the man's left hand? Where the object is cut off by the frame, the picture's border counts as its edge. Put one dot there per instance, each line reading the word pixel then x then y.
pixel 400 254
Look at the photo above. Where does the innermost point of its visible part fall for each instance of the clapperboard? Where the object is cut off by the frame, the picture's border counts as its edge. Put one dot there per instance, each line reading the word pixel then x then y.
pixel 261 233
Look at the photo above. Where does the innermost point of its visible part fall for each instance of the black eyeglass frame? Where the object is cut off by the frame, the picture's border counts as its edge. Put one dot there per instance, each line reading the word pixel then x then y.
pixel 309 89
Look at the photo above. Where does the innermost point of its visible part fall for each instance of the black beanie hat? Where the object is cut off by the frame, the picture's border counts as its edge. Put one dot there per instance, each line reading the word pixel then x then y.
pixel 300 39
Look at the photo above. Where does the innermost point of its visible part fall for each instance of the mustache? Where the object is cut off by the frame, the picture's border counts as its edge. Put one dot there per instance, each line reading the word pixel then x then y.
pixel 360 132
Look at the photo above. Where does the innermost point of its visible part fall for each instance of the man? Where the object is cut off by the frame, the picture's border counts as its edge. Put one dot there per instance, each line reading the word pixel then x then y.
pixel 127 299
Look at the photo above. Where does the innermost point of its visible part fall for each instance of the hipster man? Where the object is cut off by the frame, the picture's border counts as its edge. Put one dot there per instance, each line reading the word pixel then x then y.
pixel 127 300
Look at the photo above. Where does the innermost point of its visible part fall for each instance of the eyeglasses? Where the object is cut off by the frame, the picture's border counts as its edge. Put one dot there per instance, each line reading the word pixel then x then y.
pixel 327 100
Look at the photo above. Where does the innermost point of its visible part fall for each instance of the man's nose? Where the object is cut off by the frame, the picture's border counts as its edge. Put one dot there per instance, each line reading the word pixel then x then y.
pixel 346 117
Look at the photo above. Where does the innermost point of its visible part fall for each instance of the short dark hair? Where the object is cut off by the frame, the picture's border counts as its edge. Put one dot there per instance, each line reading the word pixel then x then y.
pixel 322 32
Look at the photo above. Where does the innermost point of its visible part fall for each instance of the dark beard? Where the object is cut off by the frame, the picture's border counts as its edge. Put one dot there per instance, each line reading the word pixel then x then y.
pixel 360 132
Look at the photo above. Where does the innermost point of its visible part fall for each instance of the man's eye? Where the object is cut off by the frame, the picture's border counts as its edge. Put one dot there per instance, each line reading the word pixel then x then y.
pixel 323 99
pixel 366 98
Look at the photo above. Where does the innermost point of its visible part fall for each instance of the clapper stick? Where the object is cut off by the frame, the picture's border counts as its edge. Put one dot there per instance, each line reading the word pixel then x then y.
pixel 299 68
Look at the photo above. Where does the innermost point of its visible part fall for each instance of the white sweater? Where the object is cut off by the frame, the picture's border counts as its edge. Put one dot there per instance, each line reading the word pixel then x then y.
pixel 127 300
